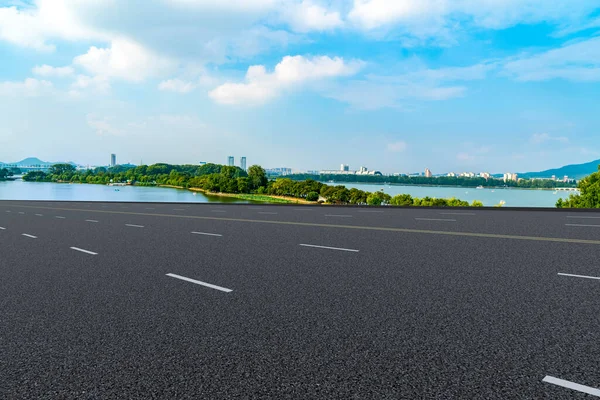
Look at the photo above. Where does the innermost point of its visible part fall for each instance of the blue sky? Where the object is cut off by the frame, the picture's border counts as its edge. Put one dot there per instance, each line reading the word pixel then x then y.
pixel 397 86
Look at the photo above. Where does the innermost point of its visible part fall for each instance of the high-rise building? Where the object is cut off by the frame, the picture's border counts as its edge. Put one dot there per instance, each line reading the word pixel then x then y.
pixel 428 173
pixel 113 160
pixel 230 161
pixel 243 163
pixel 345 168
pixel 511 177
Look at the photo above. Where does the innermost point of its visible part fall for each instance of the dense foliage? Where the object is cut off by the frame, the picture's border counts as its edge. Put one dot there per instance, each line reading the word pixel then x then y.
pixel 438 181
pixel 589 196
pixel 5 173
pixel 224 179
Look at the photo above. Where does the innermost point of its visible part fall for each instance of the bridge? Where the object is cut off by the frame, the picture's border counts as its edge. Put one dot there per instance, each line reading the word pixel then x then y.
pixel 27 168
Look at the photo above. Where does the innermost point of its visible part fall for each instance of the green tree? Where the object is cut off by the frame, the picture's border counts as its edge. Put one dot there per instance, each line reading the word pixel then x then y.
pixel 589 196
pixel 62 169
pixel 258 177
pixel 312 196
pixel 378 198
pixel 402 200
pixel 5 173
pixel 36 176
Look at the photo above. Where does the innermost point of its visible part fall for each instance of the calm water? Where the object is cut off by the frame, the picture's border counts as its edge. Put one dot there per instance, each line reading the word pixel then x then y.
pixel 489 197
pixel 19 190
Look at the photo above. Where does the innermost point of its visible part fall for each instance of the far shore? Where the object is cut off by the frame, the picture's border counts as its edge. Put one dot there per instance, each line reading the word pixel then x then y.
pixel 563 189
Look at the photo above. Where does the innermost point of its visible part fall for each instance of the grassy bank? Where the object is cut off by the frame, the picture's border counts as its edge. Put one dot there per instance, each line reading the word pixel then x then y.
pixel 250 197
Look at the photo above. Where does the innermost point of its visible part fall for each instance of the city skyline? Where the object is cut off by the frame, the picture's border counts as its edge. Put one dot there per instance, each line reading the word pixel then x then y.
pixel 305 84
pixel 282 170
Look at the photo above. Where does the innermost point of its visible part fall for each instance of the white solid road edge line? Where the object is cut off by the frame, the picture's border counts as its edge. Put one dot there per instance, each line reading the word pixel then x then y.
pixel 435 219
pixel 582 216
pixel 29 236
pixel 579 276
pixel 134 226
pixel 456 213
pixel 207 234
pixel 329 248
pixel 84 251
pixel 571 385
pixel 583 225
pixel 208 285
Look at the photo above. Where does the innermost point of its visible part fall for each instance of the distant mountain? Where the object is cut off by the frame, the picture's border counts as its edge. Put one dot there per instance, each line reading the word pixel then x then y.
pixel 575 171
pixel 31 161
pixel 36 161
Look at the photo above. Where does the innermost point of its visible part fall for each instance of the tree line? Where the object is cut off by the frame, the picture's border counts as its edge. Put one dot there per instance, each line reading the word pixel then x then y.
pixel 227 179
pixel 5 173
pixel 461 181
pixel 589 193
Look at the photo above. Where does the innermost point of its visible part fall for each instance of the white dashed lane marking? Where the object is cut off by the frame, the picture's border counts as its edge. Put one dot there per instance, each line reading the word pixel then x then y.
pixel 206 234
pixel 329 248
pixel 84 251
pixel 579 276
pixel 183 278
pixel 571 385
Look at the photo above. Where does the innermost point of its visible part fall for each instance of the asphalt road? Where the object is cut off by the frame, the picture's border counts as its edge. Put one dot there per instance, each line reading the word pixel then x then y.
pixel 204 301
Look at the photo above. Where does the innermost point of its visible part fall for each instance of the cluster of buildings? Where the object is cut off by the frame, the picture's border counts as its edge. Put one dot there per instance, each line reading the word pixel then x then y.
pixel 556 179
pixel 278 171
pixel 345 170
pixel 231 162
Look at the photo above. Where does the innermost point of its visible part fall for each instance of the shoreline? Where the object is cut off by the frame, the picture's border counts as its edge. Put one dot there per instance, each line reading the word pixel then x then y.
pixel 248 196
pixel 574 189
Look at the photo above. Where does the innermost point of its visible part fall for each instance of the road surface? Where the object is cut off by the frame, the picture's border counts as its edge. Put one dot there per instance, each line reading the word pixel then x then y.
pixel 165 301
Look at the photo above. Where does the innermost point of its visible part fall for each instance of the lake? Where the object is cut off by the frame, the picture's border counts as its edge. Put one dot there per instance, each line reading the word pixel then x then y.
pixel 19 190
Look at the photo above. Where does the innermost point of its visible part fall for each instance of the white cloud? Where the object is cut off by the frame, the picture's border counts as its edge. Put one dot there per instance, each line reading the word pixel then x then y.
pixel 371 14
pixel 176 85
pixel 103 126
pixel 539 138
pixel 228 5
pixel 35 25
pixel 50 71
pixel 397 147
pixel 29 87
pixel 124 59
pixel 422 84
pixel 97 84
pixel 261 85
pixel 429 18
pixel 307 16
pixel 576 62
